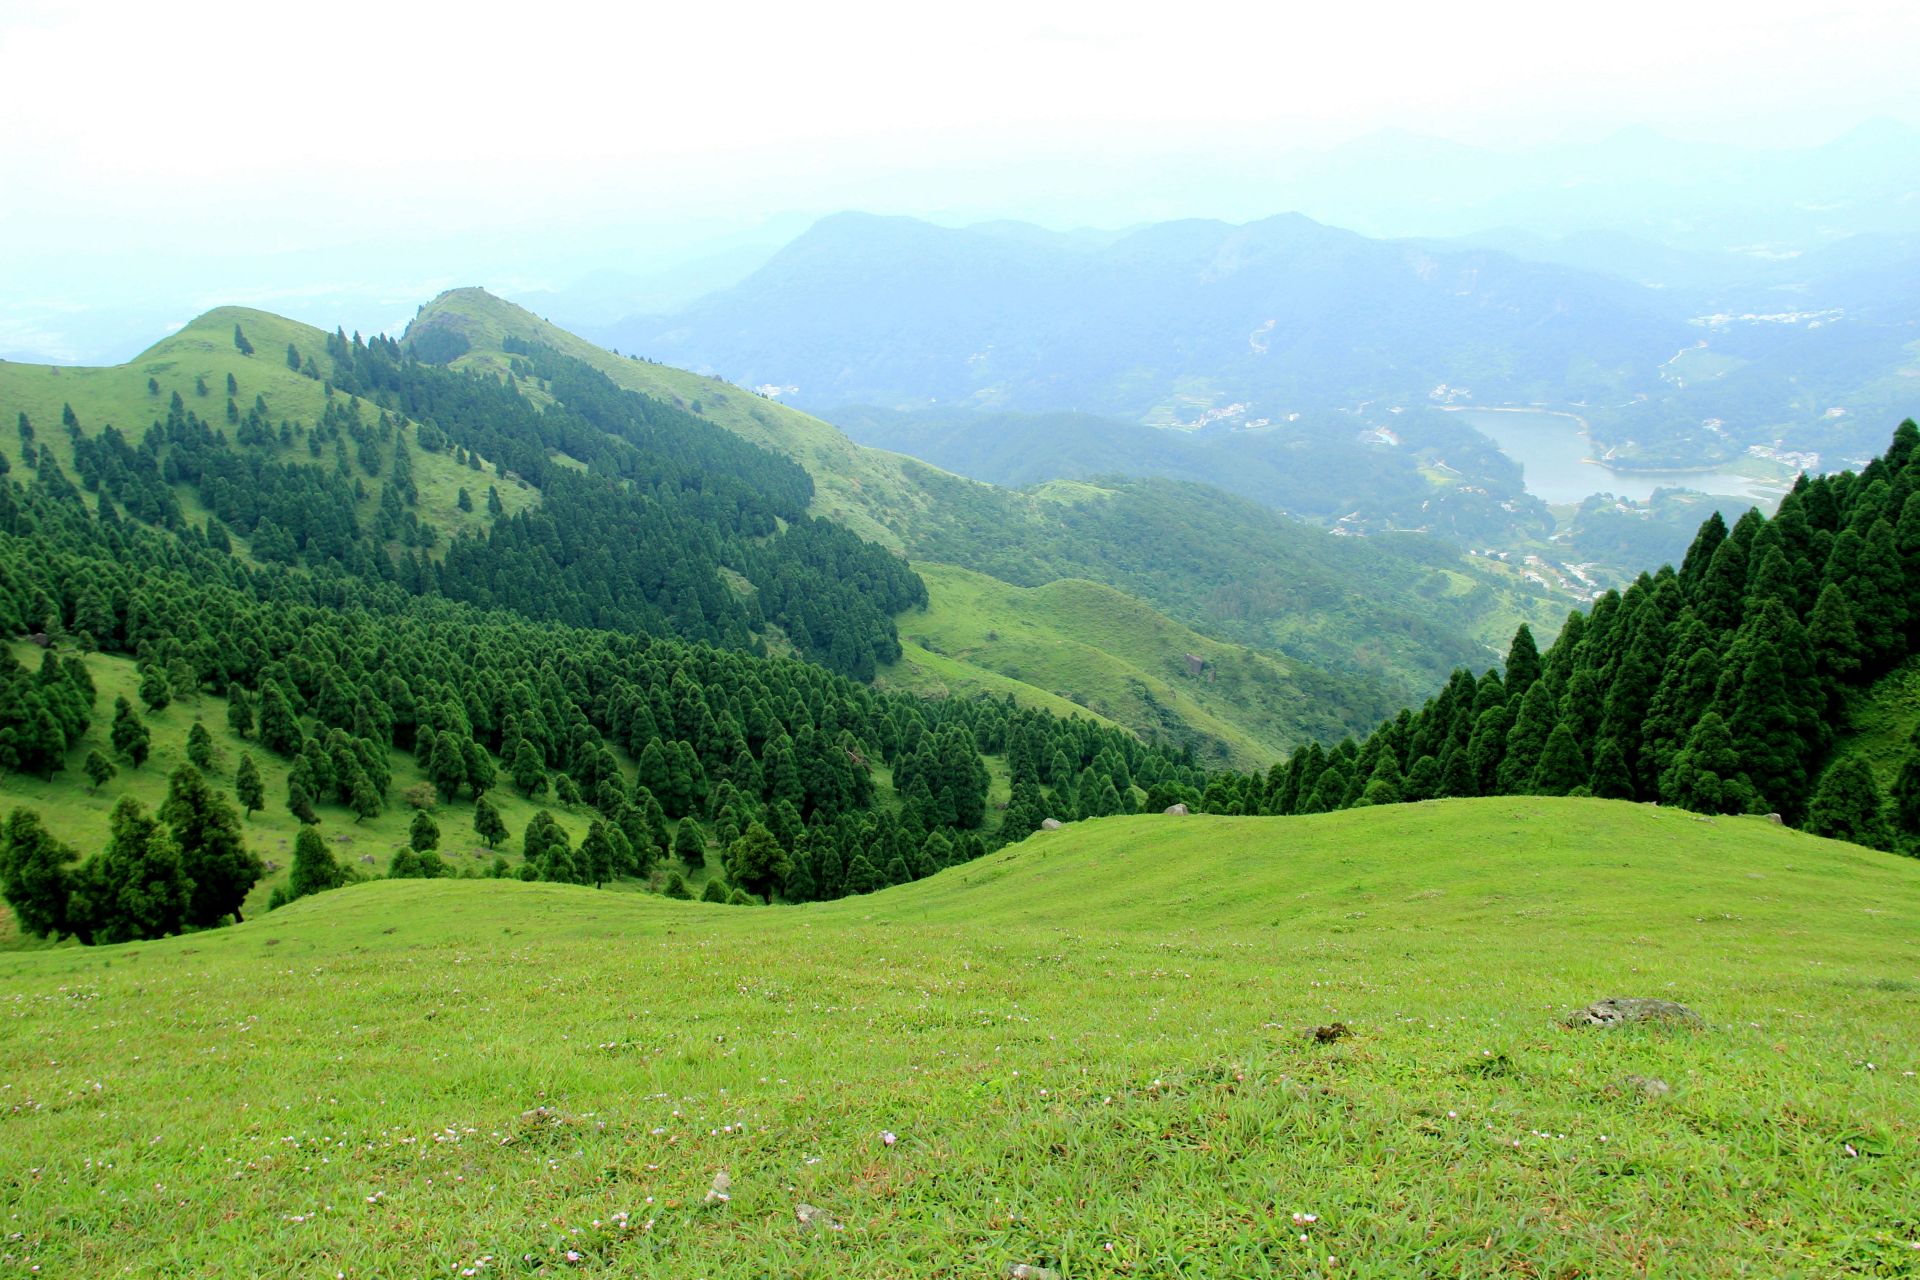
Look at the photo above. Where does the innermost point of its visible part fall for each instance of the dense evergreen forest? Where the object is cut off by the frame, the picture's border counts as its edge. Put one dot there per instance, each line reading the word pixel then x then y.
pixel 1720 687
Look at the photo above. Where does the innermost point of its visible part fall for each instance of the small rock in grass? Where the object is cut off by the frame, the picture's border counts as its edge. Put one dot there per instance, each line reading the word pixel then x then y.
pixel 1330 1033
pixel 1618 1010
pixel 1647 1086
pixel 1050 824
pixel 1027 1271
pixel 721 1190
pixel 1776 820
pixel 1178 810
pixel 813 1218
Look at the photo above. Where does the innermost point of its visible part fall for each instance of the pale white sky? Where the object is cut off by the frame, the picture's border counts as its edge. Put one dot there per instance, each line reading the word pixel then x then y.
pixel 200 128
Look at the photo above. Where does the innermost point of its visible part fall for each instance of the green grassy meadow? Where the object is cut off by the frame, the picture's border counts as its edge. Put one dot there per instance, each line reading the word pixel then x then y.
pixel 1092 1051
pixel 1091 648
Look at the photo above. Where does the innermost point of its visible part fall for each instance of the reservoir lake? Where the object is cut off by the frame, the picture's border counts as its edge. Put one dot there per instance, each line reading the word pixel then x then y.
pixel 1552 450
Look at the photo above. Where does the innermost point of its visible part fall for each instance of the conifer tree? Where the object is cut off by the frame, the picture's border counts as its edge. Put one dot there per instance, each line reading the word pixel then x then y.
pixel 1562 766
pixel 861 876
pixel 1610 779
pixel 1526 740
pixel 1705 775
pixel 756 862
pixel 200 747
pixel 529 770
pixel 1847 805
pixel 35 877
pixel 716 891
pixel 100 770
pixel 239 710
pixel 690 843
pixel 139 885
pixel 423 833
pixel 280 729
pixel 248 788
pixel 314 869
pixel 487 823
pixel 212 851
pixel 129 734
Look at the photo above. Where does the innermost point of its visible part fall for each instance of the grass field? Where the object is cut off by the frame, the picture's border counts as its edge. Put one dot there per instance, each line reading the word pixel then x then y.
pixel 1088 1053
pixel 1080 646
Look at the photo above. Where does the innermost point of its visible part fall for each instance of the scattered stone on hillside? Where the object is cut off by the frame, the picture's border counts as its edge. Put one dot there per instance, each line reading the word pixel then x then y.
pixel 1331 1033
pixel 1645 1086
pixel 367 858
pixel 815 1219
pixel 1050 824
pixel 721 1190
pixel 1618 1010
pixel 271 866
pixel 1027 1271
pixel 1776 820
pixel 1178 809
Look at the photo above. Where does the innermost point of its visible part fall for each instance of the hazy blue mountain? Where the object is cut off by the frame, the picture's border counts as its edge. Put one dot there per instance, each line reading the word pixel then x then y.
pixel 1171 323
pixel 1677 356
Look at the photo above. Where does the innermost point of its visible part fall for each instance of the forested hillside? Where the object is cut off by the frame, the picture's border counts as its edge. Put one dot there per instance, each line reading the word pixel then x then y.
pixel 332 673
pixel 1724 686
pixel 1219 564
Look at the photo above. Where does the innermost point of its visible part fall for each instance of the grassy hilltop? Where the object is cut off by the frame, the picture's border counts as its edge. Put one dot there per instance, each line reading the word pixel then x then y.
pixel 1091 1050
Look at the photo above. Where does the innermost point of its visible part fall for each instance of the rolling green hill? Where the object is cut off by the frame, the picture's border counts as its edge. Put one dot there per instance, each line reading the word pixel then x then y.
pixel 1090 1053
pixel 1097 648
pixel 203 354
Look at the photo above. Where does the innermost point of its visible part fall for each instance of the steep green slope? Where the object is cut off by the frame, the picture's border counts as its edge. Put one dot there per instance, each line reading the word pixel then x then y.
pixel 869 491
pixel 1108 652
pixel 1088 1053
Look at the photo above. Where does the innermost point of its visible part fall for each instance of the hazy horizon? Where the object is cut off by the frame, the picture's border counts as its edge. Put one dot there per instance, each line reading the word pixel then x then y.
pixel 346 171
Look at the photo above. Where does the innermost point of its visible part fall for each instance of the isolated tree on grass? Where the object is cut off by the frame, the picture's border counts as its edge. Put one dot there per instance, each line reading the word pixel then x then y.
pixel 424 833
pixel 155 690
pixel 100 770
pixel 248 787
pixel 487 823
pixel 676 887
pixel 314 869
pixel 129 734
pixel 200 747
pixel 715 891
pixel 240 342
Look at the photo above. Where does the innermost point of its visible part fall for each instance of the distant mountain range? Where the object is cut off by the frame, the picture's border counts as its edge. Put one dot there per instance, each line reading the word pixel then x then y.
pixel 1676 356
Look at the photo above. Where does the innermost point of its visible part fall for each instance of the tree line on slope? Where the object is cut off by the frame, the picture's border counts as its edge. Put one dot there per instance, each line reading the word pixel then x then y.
pixel 333 672
pixel 1720 687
